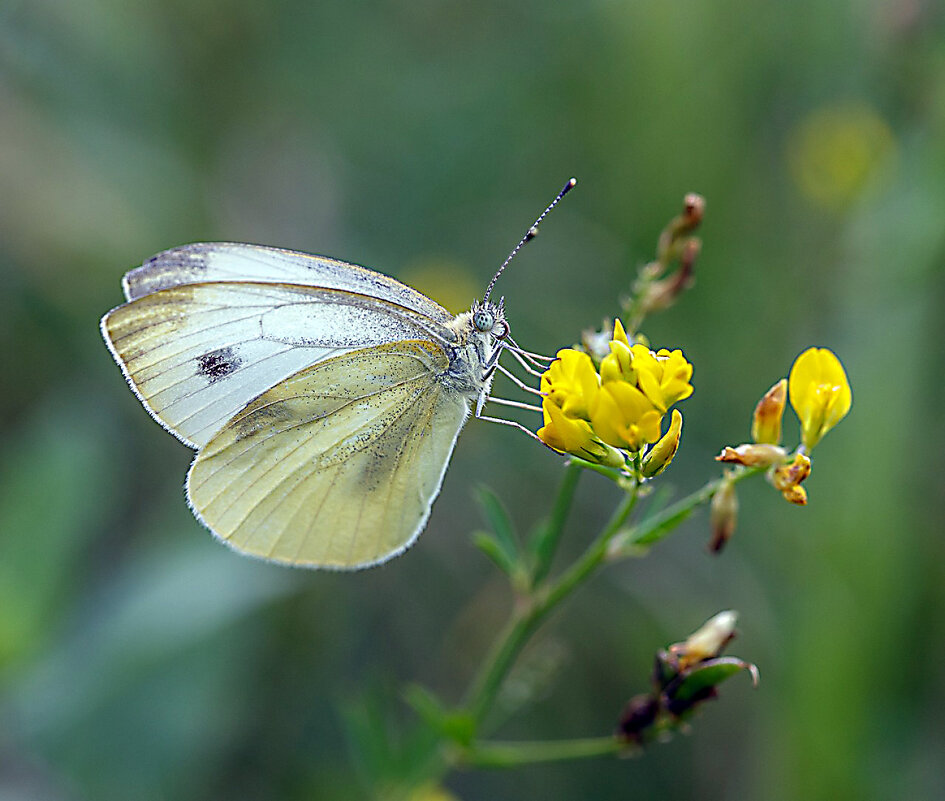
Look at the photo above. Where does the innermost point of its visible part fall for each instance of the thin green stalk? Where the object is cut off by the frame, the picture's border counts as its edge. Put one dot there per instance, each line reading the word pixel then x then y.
pixel 526 620
pixel 546 542
pixel 613 473
pixel 613 542
pixel 591 559
pixel 511 755
pixel 659 525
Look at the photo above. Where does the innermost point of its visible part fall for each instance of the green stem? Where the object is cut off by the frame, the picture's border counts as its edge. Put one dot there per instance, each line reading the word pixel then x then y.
pixel 613 473
pixel 547 540
pixel 652 530
pixel 510 755
pixel 613 542
pixel 527 619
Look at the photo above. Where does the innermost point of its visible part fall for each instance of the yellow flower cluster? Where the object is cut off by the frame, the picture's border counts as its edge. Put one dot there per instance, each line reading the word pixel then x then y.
pixel 603 414
pixel 820 394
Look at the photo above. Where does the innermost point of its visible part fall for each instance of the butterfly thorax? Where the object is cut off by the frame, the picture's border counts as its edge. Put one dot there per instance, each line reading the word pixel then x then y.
pixel 473 357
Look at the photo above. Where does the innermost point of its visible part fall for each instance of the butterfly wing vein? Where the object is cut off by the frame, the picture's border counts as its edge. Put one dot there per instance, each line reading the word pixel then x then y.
pixel 336 466
pixel 197 354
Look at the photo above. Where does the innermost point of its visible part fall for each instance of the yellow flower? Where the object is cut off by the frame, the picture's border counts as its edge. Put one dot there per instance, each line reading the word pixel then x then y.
pixel 624 417
pixel 663 376
pixel 574 436
pixel 657 459
pixel 620 334
pixel 766 422
pixel 571 383
pixel 618 364
pixel 820 393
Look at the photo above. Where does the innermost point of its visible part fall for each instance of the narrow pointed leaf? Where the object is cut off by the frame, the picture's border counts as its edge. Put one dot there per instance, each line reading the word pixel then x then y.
pixel 711 673
pixel 500 522
pixel 490 546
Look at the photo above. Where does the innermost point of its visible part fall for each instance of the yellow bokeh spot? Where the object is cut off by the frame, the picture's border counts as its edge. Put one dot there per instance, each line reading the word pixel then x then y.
pixel 447 282
pixel 432 792
pixel 836 153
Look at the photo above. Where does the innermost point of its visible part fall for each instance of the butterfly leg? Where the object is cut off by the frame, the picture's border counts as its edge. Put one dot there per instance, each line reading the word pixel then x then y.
pixel 526 365
pixel 512 423
pixel 516 404
pixel 515 380
pixel 535 358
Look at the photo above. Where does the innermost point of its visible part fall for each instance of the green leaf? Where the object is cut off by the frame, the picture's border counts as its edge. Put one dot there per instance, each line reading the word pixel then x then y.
pixel 711 673
pixel 544 541
pixel 490 546
pixel 458 726
pixel 388 751
pixel 58 483
pixel 498 517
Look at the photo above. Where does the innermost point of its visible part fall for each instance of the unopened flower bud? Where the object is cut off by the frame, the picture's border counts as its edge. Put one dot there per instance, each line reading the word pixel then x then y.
pixel 766 422
pixel 663 293
pixel 708 641
pixel 787 479
pixel 638 715
pixel 761 455
pixel 685 675
pixel 657 459
pixel 693 209
pixel 680 227
pixel 795 495
pixel 723 515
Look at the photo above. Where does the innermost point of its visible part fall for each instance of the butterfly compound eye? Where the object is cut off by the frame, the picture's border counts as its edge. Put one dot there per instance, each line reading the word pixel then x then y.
pixel 484 320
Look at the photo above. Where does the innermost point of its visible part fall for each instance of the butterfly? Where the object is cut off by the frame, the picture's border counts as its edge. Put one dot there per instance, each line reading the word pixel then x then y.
pixel 323 399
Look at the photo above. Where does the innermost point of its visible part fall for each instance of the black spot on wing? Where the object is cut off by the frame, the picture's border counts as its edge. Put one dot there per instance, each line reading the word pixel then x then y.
pixel 218 363
pixel 187 258
pixel 183 265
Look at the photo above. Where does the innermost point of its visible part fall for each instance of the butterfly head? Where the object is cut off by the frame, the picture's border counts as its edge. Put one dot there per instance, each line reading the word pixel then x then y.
pixel 489 318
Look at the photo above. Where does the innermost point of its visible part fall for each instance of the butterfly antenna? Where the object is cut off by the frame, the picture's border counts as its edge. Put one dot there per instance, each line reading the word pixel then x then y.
pixel 529 236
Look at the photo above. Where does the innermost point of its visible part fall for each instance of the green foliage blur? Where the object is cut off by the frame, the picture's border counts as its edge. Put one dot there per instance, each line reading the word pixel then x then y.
pixel 141 660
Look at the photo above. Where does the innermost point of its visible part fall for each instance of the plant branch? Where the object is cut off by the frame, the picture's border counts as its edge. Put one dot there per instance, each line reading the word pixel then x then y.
pixel 652 530
pixel 510 755
pixel 546 541
pixel 530 615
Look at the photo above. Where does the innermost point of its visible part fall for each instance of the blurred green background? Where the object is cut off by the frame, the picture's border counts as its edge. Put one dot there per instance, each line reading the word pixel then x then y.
pixel 140 660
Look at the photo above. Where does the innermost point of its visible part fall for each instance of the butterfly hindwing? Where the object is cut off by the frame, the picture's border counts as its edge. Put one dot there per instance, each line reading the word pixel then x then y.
pixel 336 466
pixel 196 354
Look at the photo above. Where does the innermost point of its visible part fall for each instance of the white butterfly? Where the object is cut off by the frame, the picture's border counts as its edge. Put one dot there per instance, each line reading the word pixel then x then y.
pixel 323 399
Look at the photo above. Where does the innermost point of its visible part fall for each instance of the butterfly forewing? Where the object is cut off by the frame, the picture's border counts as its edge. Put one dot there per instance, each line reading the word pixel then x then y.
pixel 224 261
pixel 196 354
pixel 336 466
